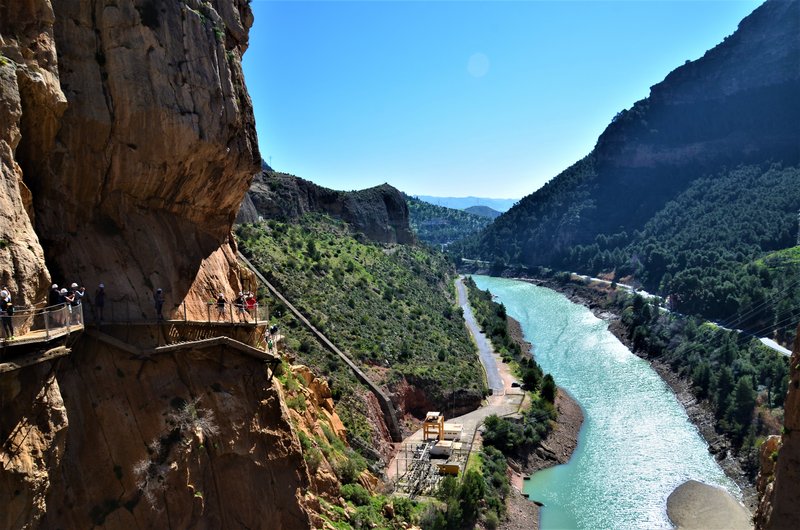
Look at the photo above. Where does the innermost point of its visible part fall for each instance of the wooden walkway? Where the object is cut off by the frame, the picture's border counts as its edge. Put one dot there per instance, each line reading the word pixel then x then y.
pixel 271 359
pixel 30 359
pixel 41 336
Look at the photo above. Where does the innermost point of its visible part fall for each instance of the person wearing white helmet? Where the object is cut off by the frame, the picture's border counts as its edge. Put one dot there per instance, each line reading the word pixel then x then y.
pixel 55 296
pixel 221 307
pixel 240 310
pixel 7 307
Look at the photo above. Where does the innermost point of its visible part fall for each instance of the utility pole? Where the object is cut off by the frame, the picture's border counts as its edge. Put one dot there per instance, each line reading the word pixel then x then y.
pixel 798 227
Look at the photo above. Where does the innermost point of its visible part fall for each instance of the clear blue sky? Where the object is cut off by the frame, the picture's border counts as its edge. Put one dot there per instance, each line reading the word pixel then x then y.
pixel 447 98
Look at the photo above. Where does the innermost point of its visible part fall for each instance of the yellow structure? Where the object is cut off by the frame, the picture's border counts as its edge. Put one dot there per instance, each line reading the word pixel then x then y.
pixel 449 469
pixel 433 425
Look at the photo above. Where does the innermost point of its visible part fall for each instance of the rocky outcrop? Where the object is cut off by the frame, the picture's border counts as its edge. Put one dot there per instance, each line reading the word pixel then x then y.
pixel 127 142
pixel 132 129
pixel 33 429
pixel 780 472
pixel 190 439
pixel 28 80
pixel 380 213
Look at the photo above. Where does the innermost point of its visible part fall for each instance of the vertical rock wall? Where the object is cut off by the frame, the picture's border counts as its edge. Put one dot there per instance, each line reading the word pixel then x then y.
pixel 28 80
pixel 33 431
pixel 190 439
pixel 131 126
pixel 778 480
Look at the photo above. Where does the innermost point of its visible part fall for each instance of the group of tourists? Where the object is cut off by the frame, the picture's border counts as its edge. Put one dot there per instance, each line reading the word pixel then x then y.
pixel 75 295
pixel 71 297
pixel 245 303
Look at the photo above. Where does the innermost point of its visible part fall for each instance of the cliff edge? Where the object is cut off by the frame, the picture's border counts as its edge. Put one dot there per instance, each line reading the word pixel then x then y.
pixel 380 213
pixel 780 461
pixel 130 145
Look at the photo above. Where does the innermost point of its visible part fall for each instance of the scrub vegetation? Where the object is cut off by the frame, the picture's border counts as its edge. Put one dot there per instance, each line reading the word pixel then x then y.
pixel 390 307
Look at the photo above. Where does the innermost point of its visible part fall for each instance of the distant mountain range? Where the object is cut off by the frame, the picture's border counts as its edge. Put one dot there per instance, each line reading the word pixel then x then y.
pixel 462 203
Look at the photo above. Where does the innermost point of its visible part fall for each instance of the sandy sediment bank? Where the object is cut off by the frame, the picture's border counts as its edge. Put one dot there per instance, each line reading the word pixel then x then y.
pixel 697 506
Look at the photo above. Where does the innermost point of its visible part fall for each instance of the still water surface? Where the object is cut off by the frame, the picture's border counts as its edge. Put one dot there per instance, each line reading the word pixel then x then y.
pixel 636 444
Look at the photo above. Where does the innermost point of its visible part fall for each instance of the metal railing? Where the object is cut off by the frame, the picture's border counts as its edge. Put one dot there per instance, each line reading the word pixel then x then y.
pixel 42 324
pixel 126 311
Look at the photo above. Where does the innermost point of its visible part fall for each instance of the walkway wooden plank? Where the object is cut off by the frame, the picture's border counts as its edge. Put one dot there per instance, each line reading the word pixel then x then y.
pixel 113 341
pixel 217 341
pixel 41 335
pixel 34 358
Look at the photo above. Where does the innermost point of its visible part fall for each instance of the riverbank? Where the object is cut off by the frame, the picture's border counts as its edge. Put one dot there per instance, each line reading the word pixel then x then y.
pixel 555 449
pixel 699 413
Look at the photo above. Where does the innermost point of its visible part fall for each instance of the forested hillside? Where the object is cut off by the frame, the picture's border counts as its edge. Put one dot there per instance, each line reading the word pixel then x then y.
pixel 483 211
pixel 437 225
pixel 688 190
pixel 392 308
pixel 706 248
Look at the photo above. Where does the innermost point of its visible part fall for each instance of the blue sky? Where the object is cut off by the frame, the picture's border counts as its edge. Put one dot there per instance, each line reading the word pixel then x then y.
pixel 450 98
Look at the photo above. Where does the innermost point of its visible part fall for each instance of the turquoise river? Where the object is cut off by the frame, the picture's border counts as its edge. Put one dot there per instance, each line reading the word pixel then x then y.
pixel 636 444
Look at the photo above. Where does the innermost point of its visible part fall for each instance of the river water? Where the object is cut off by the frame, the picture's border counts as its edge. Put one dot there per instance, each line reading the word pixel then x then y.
pixel 636 444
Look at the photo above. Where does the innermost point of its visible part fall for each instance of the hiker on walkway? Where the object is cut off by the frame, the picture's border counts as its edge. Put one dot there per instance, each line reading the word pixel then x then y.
pixel 251 303
pixel 99 301
pixel 240 311
pixel 221 307
pixel 79 294
pixel 158 302
pixel 54 297
pixel 67 298
pixel 74 302
pixel 7 307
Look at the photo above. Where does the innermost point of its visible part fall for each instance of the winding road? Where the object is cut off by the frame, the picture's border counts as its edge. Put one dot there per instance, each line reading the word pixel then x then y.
pixel 485 350
pixel 506 399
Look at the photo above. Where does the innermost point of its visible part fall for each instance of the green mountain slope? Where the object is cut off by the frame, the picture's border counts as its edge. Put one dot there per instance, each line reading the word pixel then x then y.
pixel 391 307
pixel 660 197
pixel 437 225
pixel 704 248
pixel 483 211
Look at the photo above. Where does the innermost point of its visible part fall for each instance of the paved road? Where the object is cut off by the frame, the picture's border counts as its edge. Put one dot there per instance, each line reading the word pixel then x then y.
pixel 485 350
pixel 505 399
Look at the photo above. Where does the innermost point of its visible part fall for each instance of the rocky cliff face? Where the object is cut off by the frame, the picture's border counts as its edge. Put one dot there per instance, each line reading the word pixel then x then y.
pixel 28 79
pixel 127 142
pixel 380 213
pixel 777 483
pixel 132 129
pixel 190 439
